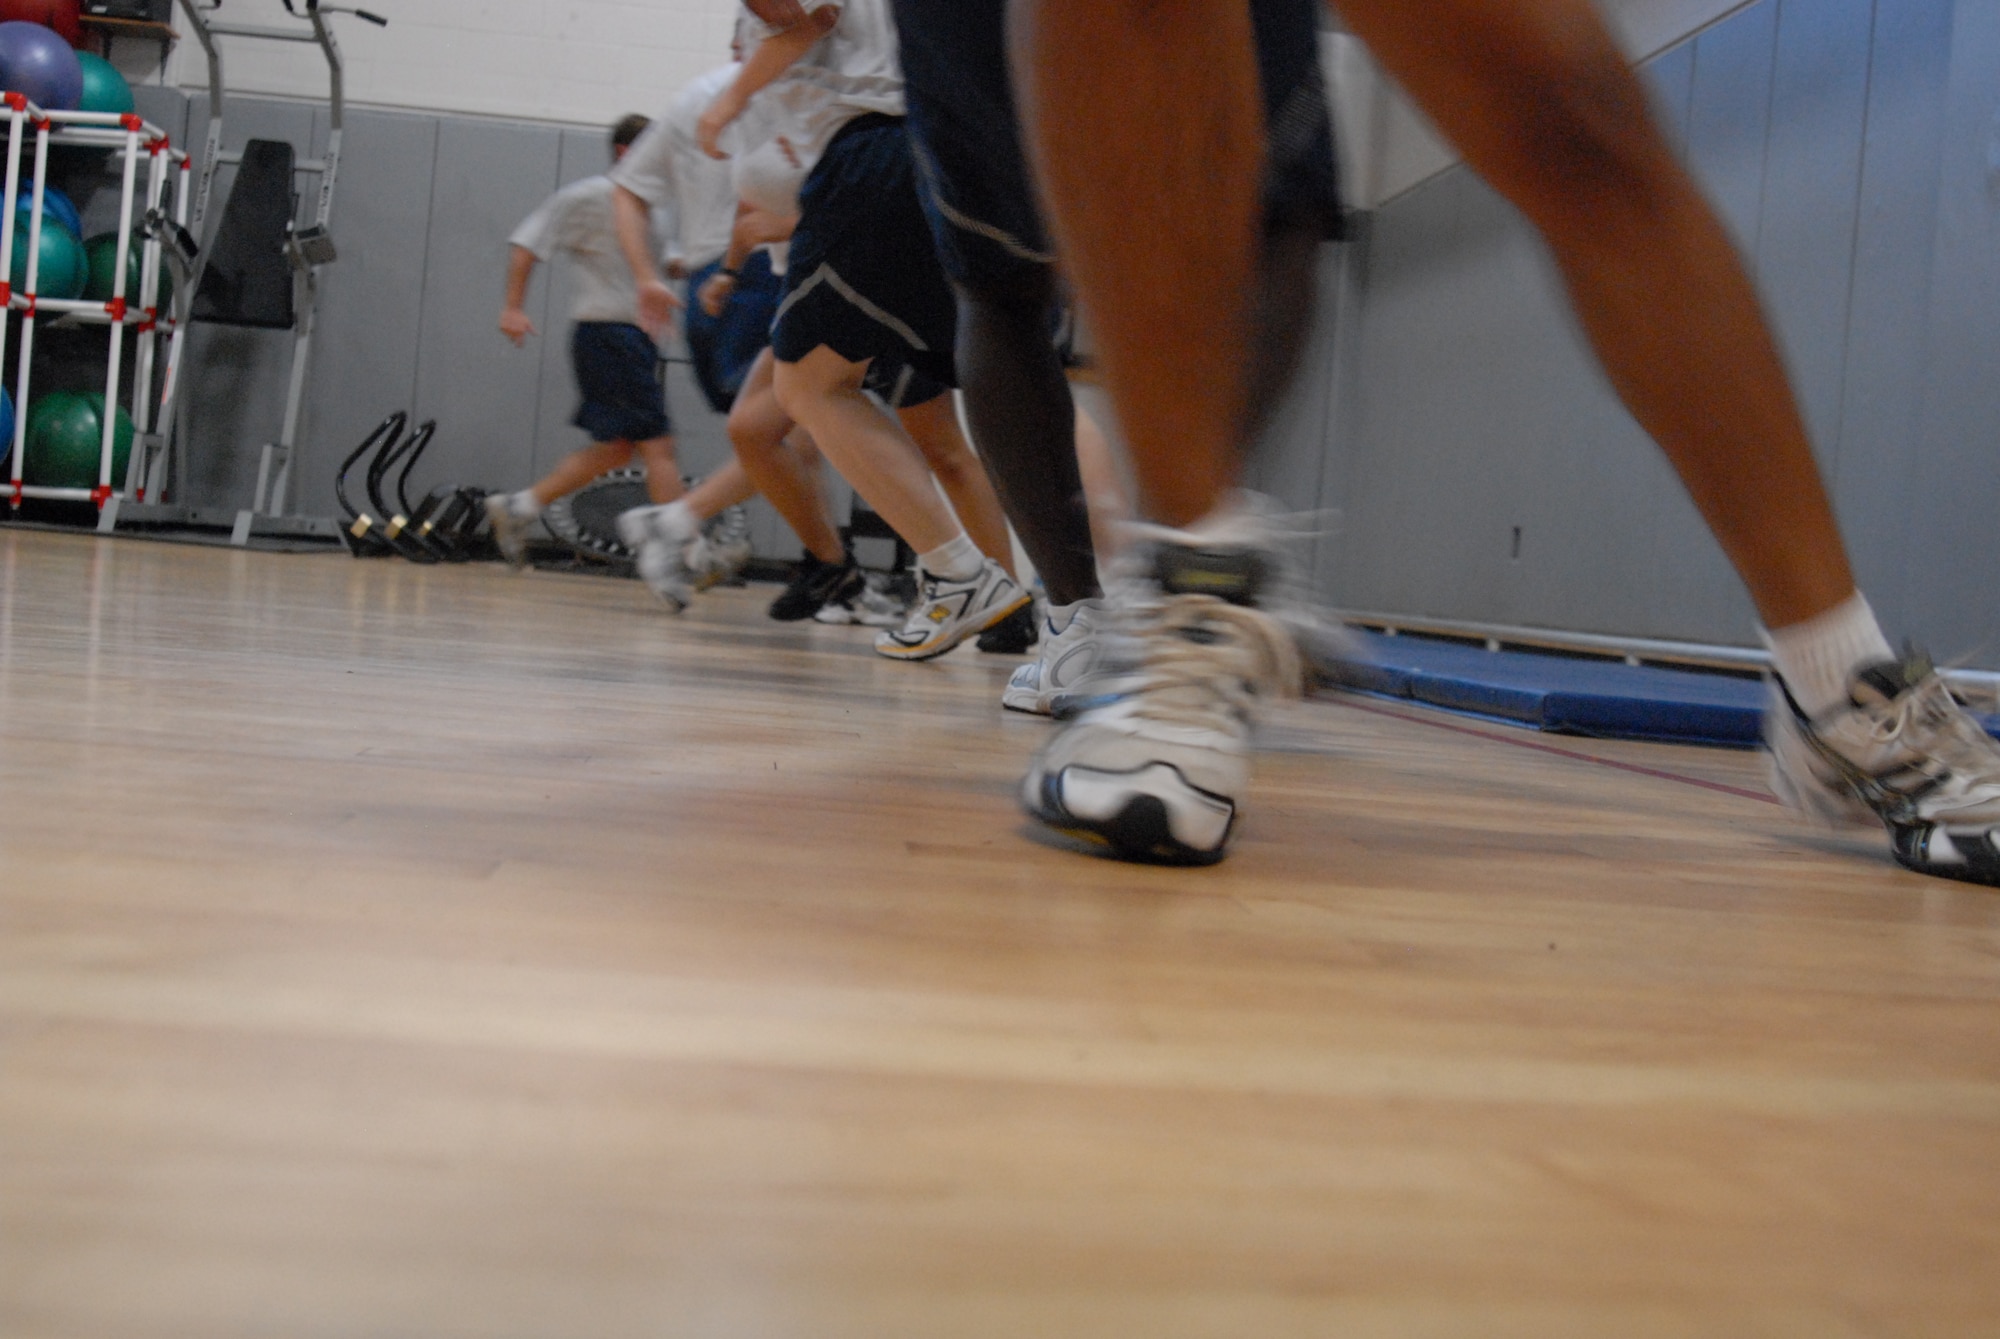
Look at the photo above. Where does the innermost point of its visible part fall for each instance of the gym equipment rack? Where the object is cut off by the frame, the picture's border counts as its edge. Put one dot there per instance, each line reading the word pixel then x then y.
pixel 134 137
pixel 308 248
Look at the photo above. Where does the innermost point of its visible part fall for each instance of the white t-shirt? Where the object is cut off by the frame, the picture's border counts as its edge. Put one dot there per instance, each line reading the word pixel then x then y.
pixel 666 168
pixel 853 70
pixel 578 219
pixel 768 178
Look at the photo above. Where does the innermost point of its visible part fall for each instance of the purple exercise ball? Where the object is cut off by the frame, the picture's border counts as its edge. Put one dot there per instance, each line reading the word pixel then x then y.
pixel 35 61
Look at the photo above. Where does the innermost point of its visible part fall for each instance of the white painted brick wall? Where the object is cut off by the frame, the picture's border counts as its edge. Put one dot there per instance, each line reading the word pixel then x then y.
pixel 587 61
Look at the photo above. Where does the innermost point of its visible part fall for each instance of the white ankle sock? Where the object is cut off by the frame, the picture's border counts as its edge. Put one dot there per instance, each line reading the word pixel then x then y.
pixel 1060 616
pixel 523 504
pixel 959 560
pixel 1816 658
pixel 676 514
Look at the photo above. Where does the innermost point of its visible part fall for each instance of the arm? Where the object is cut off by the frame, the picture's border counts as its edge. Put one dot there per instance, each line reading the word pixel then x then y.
pixel 754 228
pixel 514 322
pixel 634 218
pixel 773 56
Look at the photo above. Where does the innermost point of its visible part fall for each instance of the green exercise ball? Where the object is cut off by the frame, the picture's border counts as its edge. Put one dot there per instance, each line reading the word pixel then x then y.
pixel 101 260
pixel 104 89
pixel 64 269
pixel 65 432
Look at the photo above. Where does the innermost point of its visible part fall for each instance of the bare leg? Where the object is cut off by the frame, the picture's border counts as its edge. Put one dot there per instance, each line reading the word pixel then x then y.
pixel 663 469
pixel 823 392
pixel 579 467
pixel 1146 128
pixel 1538 98
pixel 933 426
pixel 759 429
pixel 727 486
pixel 1540 101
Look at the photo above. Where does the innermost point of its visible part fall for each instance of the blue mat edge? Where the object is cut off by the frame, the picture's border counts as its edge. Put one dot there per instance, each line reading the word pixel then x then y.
pixel 1570 708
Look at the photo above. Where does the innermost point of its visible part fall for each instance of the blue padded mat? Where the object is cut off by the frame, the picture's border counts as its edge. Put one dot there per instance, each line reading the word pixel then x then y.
pixel 1601 698
pixel 1604 699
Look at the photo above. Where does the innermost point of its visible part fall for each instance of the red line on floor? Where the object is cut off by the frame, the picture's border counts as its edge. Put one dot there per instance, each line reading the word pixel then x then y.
pixel 1453 726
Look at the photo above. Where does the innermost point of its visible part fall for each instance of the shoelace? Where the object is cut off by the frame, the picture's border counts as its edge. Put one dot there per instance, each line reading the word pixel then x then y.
pixel 1937 738
pixel 1928 719
pixel 1203 681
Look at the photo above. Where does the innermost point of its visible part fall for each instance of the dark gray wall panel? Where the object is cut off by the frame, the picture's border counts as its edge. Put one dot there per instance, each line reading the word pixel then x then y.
pixel 365 354
pixel 489 175
pixel 1727 115
pixel 1954 547
pixel 1805 238
pixel 1895 236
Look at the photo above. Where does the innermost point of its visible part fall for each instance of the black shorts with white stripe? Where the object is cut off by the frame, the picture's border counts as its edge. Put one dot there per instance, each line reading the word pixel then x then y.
pixel 864 278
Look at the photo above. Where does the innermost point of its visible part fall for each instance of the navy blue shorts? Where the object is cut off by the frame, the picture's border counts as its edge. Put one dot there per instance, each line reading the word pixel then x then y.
pixel 864 278
pixel 975 182
pixel 618 373
pixel 901 386
pixel 723 347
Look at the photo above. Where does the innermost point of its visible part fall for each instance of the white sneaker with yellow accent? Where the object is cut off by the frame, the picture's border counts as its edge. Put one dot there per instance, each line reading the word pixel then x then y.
pixel 948 612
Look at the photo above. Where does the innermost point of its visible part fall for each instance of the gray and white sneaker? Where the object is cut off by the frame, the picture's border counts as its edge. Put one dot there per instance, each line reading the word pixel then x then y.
pixel 1155 773
pixel 659 538
pixel 948 612
pixel 1902 751
pixel 870 606
pixel 718 555
pixel 510 531
pixel 1072 663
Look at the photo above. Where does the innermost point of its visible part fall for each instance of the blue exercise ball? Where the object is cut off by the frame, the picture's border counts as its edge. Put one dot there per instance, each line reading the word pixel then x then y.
pixel 56 208
pixel 36 62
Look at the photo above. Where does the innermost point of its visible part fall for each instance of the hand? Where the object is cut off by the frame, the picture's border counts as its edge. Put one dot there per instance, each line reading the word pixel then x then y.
pixel 516 326
pixel 776 13
pixel 657 305
pixel 715 294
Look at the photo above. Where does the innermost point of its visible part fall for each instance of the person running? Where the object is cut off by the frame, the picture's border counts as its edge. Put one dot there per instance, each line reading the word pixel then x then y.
pixel 1537 97
pixel 774 455
pixel 617 365
pixel 973 184
pixel 863 295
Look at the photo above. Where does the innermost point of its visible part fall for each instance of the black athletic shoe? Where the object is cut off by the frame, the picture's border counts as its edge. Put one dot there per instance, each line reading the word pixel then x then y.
pixel 1014 635
pixel 815 584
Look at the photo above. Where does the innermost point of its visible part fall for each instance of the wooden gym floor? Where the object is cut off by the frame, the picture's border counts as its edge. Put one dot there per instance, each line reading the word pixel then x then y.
pixel 407 952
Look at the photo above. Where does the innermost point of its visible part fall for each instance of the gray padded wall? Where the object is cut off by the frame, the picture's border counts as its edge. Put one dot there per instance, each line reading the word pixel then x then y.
pixel 364 363
pixel 483 392
pixel 408 314
pixel 1848 144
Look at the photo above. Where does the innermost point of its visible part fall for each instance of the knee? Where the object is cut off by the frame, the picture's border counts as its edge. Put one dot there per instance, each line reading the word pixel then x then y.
pixel 1580 134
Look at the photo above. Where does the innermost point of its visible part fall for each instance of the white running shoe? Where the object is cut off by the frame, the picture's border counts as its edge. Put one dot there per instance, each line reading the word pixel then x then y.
pixel 1155 773
pixel 510 532
pixel 1902 751
pixel 948 612
pixel 1070 659
pixel 871 606
pixel 659 538
pixel 718 555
